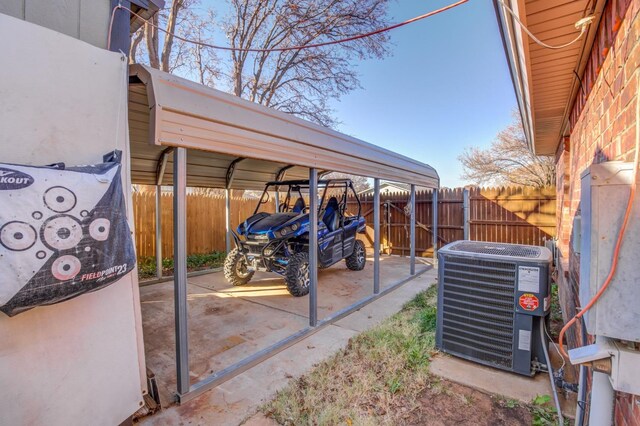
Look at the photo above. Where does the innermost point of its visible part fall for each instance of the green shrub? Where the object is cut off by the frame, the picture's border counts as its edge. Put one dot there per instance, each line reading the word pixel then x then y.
pixel 196 261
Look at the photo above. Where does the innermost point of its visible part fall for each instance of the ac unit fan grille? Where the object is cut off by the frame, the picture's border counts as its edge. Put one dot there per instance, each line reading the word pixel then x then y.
pixel 497 249
pixel 478 309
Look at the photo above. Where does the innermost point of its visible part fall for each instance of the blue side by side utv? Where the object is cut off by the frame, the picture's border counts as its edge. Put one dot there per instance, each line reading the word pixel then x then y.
pixel 279 242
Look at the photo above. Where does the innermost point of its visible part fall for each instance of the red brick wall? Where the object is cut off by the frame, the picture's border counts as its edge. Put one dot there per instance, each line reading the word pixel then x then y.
pixel 603 128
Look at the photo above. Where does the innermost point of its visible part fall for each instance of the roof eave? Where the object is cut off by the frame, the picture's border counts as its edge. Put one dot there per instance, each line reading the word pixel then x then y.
pixel 512 49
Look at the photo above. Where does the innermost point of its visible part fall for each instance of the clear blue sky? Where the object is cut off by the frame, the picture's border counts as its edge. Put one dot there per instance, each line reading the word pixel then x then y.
pixel 446 85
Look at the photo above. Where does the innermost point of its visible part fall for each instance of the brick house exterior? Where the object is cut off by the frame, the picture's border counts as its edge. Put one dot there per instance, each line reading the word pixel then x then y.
pixel 603 128
pixel 598 124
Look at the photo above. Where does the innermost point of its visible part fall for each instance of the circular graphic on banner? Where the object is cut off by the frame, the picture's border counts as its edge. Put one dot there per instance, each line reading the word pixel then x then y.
pixel 59 199
pixel 99 229
pixel 18 236
pixel 65 268
pixel 61 232
pixel 529 302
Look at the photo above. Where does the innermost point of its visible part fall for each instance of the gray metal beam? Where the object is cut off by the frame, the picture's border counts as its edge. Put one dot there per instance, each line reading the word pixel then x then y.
pixel 435 225
pixel 227 201
pixel 158 231
pixel 180 268
pixel 162 165
pixel 227 219
pixel 313 247
pixel 231 171
pixel 412 232
pixel 283 172
pixel 277 201
pixel 376 236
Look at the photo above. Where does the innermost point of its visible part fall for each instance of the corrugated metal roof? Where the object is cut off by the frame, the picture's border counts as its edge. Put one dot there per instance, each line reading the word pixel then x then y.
pixel 169 111
pixel 545 79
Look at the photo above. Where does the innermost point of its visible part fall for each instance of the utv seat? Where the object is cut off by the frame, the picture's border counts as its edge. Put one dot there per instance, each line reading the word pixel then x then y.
pixel 331 217
pixel 299 206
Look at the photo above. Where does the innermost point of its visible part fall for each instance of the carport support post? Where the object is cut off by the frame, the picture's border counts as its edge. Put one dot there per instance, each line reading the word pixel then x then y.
pixel 313 247
pixel 435 224
pixel 158 231
pixel 412 233
pixel 227 219
pixel 180 267
pixel 376 236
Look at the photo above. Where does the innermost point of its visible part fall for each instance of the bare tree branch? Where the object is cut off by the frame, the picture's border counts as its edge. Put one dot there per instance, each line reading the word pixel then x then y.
pixel 301 81
pixel 508 161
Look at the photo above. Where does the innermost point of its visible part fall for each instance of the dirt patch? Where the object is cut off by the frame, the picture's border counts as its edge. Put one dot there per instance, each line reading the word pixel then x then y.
pixel 452 404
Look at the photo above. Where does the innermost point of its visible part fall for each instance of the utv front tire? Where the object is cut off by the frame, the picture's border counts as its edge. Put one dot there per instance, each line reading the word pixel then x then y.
pixel 358 258
pixel 297 274
pixel 235 268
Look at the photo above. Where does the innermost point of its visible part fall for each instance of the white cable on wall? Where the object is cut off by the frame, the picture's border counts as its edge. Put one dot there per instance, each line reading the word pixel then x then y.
pixel 581 25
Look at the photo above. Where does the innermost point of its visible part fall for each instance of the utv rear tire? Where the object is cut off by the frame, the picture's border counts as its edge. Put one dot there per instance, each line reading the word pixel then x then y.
pixel 297 274
pixel 358 258
pixel 235 268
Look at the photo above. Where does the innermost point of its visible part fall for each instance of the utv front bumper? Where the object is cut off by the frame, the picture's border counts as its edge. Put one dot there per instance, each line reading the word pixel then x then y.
pixel 264 255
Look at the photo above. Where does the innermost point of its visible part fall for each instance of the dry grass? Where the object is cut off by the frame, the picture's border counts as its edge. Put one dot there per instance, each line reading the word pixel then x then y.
pixel 376 379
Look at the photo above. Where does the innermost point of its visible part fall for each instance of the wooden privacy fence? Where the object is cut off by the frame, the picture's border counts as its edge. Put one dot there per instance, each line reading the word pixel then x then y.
pixel 510 215
pixel 205 221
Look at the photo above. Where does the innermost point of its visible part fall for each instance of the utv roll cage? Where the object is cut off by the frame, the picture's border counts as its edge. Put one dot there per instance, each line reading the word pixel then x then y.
pixel 294 186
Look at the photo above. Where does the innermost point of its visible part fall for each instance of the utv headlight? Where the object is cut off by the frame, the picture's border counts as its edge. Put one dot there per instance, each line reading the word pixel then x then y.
pixel 294 226
pixel 268 252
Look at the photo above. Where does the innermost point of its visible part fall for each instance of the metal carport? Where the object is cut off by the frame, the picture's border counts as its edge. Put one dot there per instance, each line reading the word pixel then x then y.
pixel 237 144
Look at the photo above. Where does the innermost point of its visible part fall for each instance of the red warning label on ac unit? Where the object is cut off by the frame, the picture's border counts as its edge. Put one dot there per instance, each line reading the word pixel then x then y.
pixel 529 302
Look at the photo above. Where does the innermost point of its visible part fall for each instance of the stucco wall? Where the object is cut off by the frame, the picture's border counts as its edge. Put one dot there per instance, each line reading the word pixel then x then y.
pixel 80 361
pixel 605 130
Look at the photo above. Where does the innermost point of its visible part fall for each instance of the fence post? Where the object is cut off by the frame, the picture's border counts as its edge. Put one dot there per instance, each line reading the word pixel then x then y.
pixel 466 212
pixel 435 224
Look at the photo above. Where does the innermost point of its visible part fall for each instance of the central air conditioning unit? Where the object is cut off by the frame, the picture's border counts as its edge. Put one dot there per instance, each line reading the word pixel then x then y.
pixel 491 297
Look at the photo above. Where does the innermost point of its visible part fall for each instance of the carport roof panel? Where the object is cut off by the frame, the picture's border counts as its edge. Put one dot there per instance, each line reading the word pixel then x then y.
pixel 187 114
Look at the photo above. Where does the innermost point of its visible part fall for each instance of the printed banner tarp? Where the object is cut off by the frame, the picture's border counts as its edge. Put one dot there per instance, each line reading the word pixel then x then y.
pixel 63 233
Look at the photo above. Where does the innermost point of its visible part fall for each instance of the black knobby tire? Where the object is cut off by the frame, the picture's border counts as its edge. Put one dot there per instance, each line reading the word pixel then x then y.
pixel 358 257
pixel 235 268
pixel 297 274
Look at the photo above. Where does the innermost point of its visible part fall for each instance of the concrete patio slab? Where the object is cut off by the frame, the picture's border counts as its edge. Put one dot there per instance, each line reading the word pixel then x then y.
pixel 490 380
pixel 239 398
pixel 499 382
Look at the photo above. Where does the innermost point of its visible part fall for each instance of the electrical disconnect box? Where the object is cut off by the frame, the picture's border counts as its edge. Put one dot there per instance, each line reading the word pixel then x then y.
pixel 605 191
